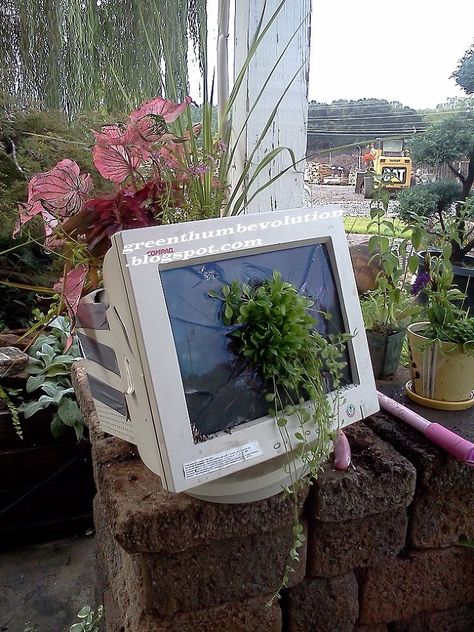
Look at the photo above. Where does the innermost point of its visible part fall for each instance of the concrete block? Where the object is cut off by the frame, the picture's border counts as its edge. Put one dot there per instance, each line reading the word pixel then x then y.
pixel 335 548
pixel 323 605
pixel 425 581
pixel 145 518
pixel 380 480
pixel 436 469
pixel 222 571
pixel 455 620
pixel 441 519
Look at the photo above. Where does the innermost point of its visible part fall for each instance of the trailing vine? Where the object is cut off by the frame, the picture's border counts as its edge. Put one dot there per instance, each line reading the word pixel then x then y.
pixel 6 395
pixel 276 329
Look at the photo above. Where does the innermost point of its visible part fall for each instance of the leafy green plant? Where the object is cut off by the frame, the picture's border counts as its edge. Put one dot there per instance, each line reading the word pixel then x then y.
pixel 390 307
pixel 448 321
pixel 276 330
pixel 49 369
pixel 89 620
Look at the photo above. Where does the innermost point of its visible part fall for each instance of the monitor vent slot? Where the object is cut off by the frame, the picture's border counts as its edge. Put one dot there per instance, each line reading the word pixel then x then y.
pixel 114 423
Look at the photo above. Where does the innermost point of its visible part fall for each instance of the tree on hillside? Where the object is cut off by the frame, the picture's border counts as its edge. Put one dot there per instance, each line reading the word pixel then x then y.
pixel 464 74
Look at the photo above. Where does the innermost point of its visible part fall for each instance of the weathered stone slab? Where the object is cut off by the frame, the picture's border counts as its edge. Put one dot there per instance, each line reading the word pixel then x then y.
pixel 200 578
pixel 442 512
pixel 439 520
pixel 223 571
pixel 323 605
pixel 12 361
pixel 425 581
pixel 144 517
pixel 455 620
pixel 335 548
pixel 252 615
pixel 85 400
pixel 436 469
pixel 380 479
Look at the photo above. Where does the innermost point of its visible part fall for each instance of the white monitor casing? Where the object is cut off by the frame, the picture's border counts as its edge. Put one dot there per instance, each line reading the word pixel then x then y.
pixel 138 389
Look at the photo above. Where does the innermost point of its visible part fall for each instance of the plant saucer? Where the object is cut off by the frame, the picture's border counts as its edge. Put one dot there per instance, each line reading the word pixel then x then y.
pixel 436 403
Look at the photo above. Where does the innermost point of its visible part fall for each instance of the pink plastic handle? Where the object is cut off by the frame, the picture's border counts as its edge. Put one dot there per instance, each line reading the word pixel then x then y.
pixel 458 447
pixel 342 451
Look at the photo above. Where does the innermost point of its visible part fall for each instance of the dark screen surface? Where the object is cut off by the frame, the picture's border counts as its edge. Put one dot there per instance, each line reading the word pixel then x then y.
pixel 222 391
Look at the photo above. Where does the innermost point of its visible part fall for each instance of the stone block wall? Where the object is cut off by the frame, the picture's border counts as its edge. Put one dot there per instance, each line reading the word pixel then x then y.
pixel 382 550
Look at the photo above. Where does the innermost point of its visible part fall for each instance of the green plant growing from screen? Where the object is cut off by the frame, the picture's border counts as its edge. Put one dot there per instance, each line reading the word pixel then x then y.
pixel 276 331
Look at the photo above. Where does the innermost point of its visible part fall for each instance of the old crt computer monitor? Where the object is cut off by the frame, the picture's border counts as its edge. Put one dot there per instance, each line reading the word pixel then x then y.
pixel 159 361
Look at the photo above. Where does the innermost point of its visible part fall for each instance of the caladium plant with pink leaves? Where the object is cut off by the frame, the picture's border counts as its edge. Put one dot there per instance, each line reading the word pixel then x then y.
pixel 155 176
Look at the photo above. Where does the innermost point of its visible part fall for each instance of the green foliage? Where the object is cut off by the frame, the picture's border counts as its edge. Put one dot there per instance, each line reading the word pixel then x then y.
pixel 445 142
pixel 89 620
pixel 26 263
pixel 32 141
pixel 440 216
pixel 390 307
pixel 276 329
pixel 82 54
pixel 8 395
pixel 429 200
pixel 49 369
pixel 464 74
pixel 448 321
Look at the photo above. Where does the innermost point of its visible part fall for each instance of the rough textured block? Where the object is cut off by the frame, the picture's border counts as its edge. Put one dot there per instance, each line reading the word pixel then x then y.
pixel 378 627
pixel 242 616
pixel 439 520
pixel 84 398
pixel 442 512
pixel 251 615
pixel 227 570
pixel 455 620
pixel 425 581
pixel 113 616
pixel 197 578
pixel 436 469
pixel 144 517
pixel 380 480
pixel 323 605
pixel 335 548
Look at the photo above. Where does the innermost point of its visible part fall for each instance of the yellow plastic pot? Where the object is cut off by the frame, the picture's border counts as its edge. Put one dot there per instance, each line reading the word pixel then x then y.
pixel 441 371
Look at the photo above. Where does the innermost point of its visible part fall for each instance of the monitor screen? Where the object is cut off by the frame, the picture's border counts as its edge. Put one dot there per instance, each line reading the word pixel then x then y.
pixel 222 391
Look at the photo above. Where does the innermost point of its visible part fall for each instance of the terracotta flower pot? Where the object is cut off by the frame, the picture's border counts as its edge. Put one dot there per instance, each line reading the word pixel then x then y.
pixel 441 371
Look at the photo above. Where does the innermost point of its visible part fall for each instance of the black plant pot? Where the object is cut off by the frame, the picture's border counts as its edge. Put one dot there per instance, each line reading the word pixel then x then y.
pixel 385 351
pixel 463 276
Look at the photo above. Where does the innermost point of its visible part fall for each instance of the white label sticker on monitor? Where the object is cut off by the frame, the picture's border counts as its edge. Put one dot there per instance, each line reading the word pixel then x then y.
pixel 221 460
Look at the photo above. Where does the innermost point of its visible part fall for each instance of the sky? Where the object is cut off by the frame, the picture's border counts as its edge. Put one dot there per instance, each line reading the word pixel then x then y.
pixel 401 50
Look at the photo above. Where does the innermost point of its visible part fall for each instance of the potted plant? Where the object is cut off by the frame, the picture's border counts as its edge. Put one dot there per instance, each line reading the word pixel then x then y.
pixel 390 307
pixel 442 215
pixel 442 347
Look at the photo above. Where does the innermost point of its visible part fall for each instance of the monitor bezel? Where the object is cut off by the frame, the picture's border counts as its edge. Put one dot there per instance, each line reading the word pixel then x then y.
pixel 163 378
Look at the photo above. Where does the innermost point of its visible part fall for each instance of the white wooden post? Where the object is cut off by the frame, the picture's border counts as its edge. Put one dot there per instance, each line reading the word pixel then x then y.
pixel 289 127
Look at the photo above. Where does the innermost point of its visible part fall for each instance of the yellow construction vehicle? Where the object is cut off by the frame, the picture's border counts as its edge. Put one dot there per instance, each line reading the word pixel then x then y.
pixel 388 163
